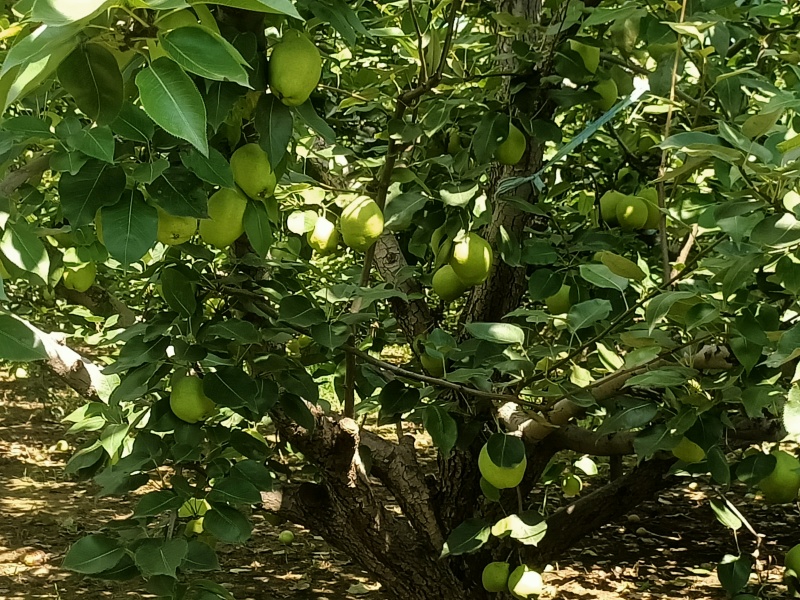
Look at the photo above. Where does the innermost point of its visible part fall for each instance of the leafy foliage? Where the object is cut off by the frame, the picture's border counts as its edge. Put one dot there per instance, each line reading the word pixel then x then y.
pixel 133 111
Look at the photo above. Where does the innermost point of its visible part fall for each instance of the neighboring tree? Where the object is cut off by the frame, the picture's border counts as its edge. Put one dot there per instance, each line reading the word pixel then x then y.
pixel 542 291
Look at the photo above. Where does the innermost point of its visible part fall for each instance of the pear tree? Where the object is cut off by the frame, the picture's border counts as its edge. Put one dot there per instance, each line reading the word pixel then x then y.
pixel 558 240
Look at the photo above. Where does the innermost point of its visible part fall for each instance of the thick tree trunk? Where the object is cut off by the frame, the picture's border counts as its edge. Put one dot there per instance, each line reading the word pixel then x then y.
pixel 400 545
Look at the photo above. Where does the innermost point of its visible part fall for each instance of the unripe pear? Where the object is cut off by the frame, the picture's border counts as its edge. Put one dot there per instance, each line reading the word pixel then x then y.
pixel 323 238
pixel 500 477
pixel 252 171
pixel 511 150
pixel 361 224
pixel 781 486
pixel 495 576
pixel 226 218
pixel 447 285
pixel 632 213
pixel 295 67
pixel 174 230
pixel 471 259
pixel 188 401
pixel 608 206
pixel 80 278
pixel 559 302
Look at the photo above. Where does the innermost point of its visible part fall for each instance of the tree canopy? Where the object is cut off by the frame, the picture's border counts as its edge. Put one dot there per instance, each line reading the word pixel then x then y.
pixel 551 235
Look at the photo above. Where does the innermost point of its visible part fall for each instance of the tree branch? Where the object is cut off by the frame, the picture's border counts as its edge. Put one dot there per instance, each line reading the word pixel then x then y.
pixel 32 170
pixel 77 372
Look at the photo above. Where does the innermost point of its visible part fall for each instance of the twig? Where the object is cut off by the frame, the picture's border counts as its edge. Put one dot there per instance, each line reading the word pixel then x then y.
pixel 683 256
pixel 420 49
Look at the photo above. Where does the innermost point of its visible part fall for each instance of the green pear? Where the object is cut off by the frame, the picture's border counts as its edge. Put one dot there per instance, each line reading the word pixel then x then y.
pixel 295 67
pixel 226 218
pixel 252 171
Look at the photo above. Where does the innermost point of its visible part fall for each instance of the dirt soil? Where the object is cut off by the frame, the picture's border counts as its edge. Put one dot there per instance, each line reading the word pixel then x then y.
pixel 668 549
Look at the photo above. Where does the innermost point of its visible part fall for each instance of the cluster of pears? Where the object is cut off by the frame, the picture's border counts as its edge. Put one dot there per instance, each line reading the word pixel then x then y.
pixel 295 67
pixel 470 262
pixel 361 225
pixel 631 212
pixel 255 178
pixel 522 582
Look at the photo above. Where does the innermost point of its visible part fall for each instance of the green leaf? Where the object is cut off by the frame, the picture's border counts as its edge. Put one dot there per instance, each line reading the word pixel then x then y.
pixel 254 472
pixel 658 307
pixel 400 210
pixel 280 7
pixel 233 490
pixel 491 131
pixel 35 49
pixel 180 193
pixel 258 228
pixel 310 117
pixel 93 554
pixel 299 311
pixel 227 524
pixel 662 378
pixel 543 284
pixel 777 231
pixel 603 277
pixel 170 98
pixel 274 123
pixel 528 528
pixel 22 247
pixel 178 291
pixel 788 348
pixel 734 572
pixel 219 101
pixel 297 410
pixel 200 557
pixel 330 335
pixel 91 75
pixel 129 227
pixel 653 439
pixel 505 450
pixel 231 387
pixel 132 123
pixel 214 168
pixel 458 194
pixel 64 12
pixel 587 313
pixel 466 538
pixel 205 53
pixel 97 142
pixel 755 467
pixel 236 330
pixel 96 185
pixel 441 427
pixel 18 342
pixel 161 557
pixel 147 173
pixel 499 333
pixel 629 413
pixel 156 503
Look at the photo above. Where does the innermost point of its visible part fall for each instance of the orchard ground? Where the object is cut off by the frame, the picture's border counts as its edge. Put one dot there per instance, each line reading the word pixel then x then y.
pixel 43 513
